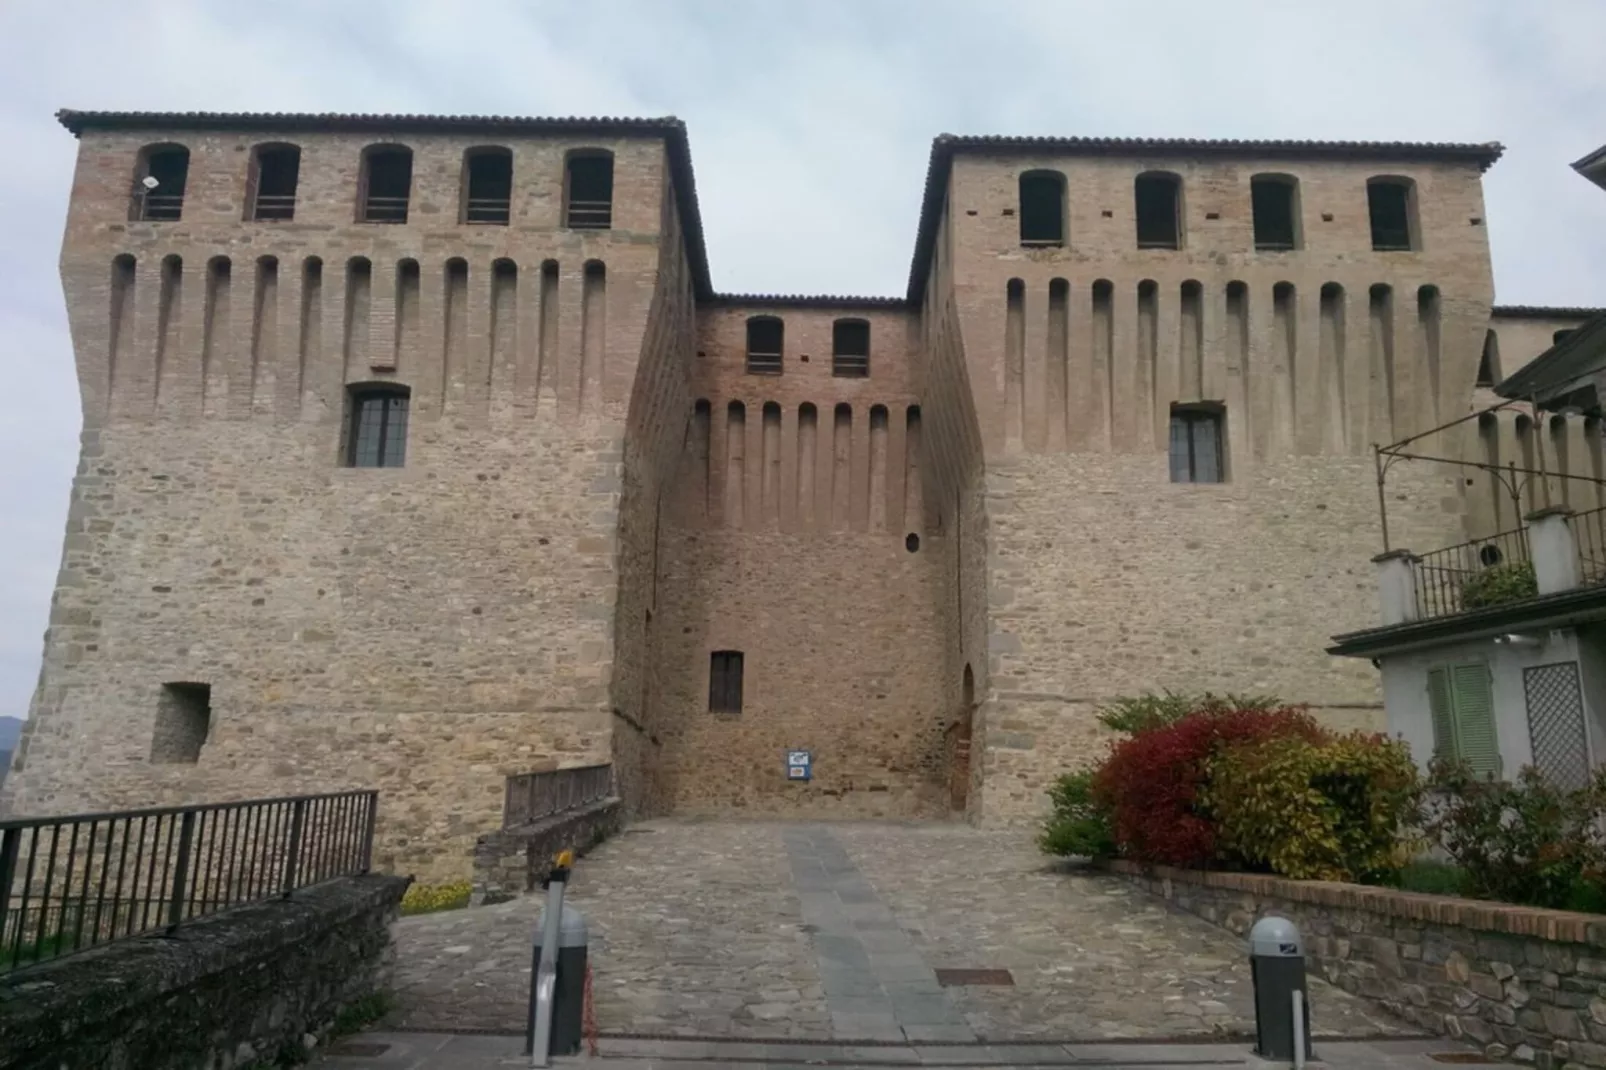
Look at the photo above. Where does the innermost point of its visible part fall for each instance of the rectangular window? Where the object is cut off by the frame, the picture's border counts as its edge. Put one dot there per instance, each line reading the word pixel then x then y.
pixel 1042 208
pixel 1196 438
pixel 850 349
pixel 183 721
pixel 1272 202
pixel 1159 210
pixel 766 336
pixel 1389 204
pixel 387 185
pixel 378 432
pixel 590 205
pixel 725 681
pixel 1462 704
pixel 278 170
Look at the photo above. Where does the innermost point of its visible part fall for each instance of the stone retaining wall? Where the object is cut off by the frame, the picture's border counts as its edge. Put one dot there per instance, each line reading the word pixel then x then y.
pixel 512 861
pixel 1527 984
pixel 224 992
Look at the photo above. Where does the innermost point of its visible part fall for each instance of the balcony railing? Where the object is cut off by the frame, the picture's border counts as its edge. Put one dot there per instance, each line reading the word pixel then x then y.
pixel 384 210
pixel 1589 534
pixel 68 884
pixel 1448 580
pixel 486 210
pixel 274 207
pixel 532 796
pixel 160 207
pixel 590 215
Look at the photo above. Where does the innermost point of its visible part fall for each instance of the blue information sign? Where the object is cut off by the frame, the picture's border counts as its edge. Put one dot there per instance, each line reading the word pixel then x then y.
pixel 799 765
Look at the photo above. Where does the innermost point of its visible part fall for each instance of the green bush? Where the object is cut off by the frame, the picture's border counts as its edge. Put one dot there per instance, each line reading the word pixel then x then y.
pixel 428 898
pixel 1077 825
pixel 1430 876
pixel 1524 841
pixel 1133 714
pixel 1326 808
pixel 1498 585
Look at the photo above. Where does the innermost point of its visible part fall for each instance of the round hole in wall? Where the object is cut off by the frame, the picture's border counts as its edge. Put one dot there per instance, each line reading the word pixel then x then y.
pixel 911 542
pixel 1490 555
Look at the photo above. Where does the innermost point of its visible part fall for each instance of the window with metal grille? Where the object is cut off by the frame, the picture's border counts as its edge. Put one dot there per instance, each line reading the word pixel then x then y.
pixel 377 426
pixel 1462 704
pixel 488 185
pixel 159 181
pixel 387 184
pixel 590 191
pixel 1388 201
pixel 850 349
pixel 765 339
pixel 1197 432
pixel 1556 724
pixel 1042 208
pixel 1274 200
pixel 275 173
pixel 725 681
pixel 1158 201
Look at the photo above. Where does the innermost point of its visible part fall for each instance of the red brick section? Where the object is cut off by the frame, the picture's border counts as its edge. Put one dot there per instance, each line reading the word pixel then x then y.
pixel 1559 925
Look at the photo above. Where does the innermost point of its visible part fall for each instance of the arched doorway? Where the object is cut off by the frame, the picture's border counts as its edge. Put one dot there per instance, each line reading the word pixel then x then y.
pixel 959 746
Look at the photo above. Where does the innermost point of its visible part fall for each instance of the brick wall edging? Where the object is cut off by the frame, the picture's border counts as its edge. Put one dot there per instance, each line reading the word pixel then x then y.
pixel 1563 926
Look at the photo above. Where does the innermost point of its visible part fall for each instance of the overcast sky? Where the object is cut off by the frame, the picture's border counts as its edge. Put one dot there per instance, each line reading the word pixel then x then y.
pixel 810 123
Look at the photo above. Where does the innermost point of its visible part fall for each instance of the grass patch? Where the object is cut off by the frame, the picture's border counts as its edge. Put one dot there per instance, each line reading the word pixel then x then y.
pixel 429 898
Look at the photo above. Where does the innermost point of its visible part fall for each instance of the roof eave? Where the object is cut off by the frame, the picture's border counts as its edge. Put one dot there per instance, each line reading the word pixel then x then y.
pixel 1581 605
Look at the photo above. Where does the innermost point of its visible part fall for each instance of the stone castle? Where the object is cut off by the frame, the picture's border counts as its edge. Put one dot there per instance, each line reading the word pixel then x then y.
pixel 420 451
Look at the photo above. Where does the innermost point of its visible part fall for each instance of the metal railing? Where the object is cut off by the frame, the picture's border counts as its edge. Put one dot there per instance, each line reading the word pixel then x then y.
pixel 1442 576
pixel 486 210
pixel 71 883
pixel 850 365
pixel 591 214
pixel 274 207
pixel 1589 535
pixel 763 363
pixel 384 210
pixel 160 207
pixel 532 796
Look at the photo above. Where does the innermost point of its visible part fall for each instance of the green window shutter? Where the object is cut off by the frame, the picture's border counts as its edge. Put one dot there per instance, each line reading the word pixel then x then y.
pixel 1474 718
pixel 1443 714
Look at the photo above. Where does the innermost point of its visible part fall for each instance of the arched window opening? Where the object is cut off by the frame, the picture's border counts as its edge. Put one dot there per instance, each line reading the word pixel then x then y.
pixel 1158 201
pixel 850 349
pixel 386 185
pixel 1042 208
pixel 588 182
pixel 1391 204
pixel 275 174
pixel 1274 200
pixel 487 185
pixel 160 177
pixel 765 345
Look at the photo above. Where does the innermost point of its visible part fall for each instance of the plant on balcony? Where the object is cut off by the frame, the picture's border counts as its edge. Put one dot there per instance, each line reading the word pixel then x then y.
pixel 1499 585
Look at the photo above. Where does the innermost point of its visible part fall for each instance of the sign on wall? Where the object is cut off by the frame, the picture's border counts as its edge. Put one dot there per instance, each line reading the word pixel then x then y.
pixel 799 765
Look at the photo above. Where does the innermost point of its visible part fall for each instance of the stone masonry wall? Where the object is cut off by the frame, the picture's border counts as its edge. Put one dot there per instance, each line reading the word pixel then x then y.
pixel 229 992
pixel 423 630
pixel 1525 984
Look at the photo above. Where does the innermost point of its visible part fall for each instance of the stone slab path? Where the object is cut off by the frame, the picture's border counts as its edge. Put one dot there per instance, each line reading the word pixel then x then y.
pixel 835 932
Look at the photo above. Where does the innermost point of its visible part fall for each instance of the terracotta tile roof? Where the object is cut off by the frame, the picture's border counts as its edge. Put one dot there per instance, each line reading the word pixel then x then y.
pixel 671 129
pixel 808 301
pixel 945 146
pixel 1545 312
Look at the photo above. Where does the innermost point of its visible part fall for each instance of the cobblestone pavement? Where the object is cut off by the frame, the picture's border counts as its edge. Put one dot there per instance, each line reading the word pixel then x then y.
pixel 832 932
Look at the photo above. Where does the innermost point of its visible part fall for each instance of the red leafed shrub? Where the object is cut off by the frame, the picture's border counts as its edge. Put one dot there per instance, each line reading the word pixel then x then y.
pixel 1150 783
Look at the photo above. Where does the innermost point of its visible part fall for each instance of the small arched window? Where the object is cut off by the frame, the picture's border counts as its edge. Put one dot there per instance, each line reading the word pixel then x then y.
pixel 1042 208
pixel 765 345
pixel 160 176
pixel 1274 201
pixel 1158 202
pixel 487 185
pixel 850 349
pixel 271 184
pixel 376 425
pixel 386 185
pixel 1391 204
pixel 588 190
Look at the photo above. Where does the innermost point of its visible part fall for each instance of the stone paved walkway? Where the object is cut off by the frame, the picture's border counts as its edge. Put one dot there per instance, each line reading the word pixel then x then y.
pixel 833 932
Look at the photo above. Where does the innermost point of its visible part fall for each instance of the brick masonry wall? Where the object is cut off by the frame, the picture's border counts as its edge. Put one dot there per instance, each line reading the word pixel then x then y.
pixel 424 630
pixel 1525 984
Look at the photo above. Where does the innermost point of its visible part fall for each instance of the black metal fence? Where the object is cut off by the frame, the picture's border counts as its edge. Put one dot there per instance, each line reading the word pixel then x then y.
pixel 1589 534
pixel 532 796
pixel 1442 576
pixel 72 883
